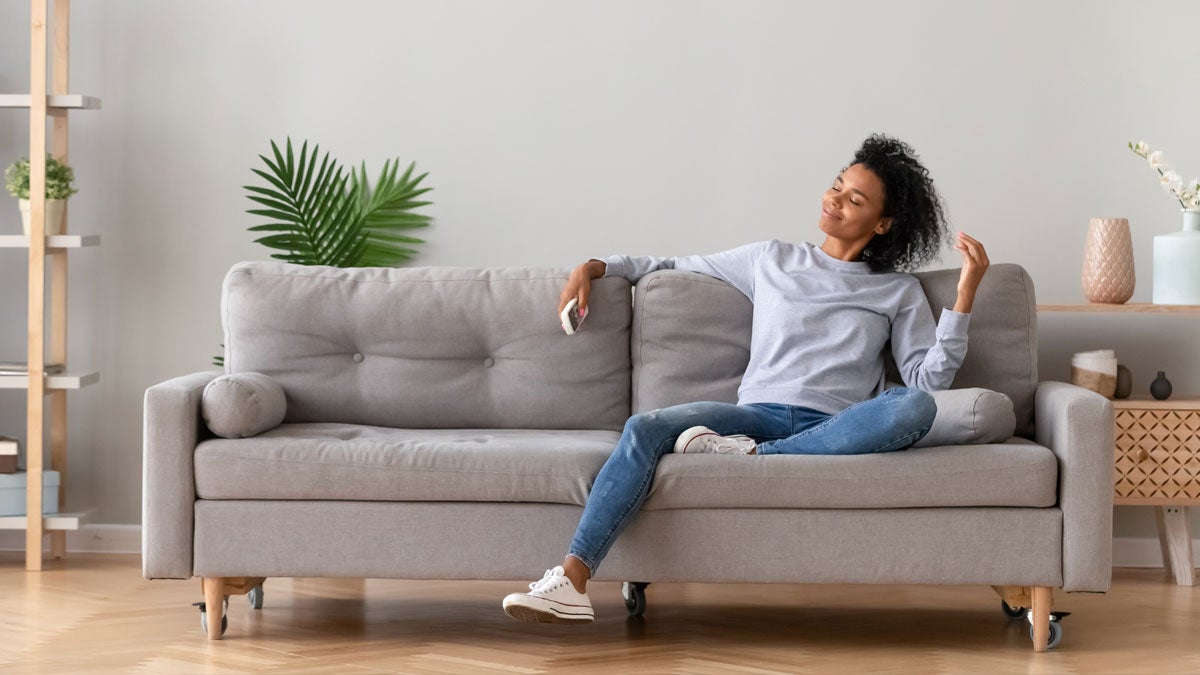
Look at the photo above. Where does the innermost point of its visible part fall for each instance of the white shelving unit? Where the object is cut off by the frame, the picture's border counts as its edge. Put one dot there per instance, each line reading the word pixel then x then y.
pixel 47 341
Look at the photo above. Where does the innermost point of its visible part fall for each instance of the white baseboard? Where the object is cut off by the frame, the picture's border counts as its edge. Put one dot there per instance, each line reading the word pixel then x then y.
pixel 1143 552
pixel 100 538
pixel 92 538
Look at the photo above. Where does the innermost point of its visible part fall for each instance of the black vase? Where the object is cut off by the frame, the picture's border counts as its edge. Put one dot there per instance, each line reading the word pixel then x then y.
pixel 1160 388
pixel 1124 382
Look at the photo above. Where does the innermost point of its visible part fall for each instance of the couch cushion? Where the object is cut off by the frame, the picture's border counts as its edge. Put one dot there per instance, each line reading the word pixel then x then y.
pixel 1016 473
pixel 969 416
pixel 430 347
pixel 1002 341
pixel 691 338
pixel 242 404
pixel 340 461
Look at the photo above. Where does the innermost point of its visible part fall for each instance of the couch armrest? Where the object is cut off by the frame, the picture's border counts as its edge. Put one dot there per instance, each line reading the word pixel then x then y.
pixel 171 429
pixel 1077 425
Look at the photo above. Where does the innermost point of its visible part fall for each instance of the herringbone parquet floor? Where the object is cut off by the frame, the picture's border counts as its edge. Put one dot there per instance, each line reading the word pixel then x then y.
pixel 96 614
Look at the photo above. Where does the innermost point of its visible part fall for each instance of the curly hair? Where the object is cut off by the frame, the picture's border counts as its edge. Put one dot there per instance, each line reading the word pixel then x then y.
pixel 909 198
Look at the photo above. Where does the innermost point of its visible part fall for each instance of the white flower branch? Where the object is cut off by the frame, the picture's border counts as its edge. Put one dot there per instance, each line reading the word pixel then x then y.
pixel 1188 197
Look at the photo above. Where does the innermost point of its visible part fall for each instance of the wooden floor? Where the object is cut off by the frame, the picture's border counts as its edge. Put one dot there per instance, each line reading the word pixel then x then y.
pixel 96 614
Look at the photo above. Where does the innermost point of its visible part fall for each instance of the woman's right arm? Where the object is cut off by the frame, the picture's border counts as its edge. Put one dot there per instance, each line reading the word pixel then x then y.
pixel 735 267
pixel 579 284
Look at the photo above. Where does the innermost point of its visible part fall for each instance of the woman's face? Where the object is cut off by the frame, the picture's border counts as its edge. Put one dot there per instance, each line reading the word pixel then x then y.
pixel 852 208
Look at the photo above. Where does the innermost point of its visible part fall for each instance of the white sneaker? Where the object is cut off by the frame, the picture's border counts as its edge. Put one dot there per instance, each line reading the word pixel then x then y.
pixel 703 439
pixel 551 599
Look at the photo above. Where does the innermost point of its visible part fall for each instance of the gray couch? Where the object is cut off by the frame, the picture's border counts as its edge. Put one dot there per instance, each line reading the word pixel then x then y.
pixel 440 425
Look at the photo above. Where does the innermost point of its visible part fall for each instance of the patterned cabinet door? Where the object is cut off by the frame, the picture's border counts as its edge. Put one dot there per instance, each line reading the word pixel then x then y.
pixel 1157 453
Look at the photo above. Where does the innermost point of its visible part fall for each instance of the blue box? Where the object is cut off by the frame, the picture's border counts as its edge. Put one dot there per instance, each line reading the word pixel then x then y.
pixel 12 493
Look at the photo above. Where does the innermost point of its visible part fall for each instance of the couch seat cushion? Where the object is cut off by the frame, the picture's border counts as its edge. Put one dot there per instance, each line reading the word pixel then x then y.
pixel 1016 473
pixel 346 461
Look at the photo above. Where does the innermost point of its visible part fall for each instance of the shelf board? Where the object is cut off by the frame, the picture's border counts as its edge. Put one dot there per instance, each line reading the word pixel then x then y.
pixel 77 101
pixel 59 381
pixel 52 241
pixel 1143 402
pixel 51 521
pixel 1143 307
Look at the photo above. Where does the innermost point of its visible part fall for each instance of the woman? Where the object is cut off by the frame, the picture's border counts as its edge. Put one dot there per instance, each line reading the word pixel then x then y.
pixel 823 317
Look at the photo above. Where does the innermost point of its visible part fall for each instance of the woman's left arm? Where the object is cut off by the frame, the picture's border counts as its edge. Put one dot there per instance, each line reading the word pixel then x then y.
pixel 928 357
pixel 975 264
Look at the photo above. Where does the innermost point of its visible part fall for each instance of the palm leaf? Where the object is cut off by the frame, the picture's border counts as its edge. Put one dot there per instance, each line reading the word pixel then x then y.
pixel 388 209
pixel 304 203
pixel 322 214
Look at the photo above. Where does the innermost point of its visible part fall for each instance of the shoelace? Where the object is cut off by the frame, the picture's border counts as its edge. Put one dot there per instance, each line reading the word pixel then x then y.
pixel 727 446
pixel 547 582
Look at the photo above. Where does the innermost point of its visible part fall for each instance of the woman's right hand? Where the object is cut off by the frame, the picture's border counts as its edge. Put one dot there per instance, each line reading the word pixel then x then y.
pixel 580 284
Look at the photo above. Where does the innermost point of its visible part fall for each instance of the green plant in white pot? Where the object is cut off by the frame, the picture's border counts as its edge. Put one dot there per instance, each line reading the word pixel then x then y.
pixel 60 181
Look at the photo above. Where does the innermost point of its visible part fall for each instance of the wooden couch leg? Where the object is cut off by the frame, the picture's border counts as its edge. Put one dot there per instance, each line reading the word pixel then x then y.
pixel 1042 599
pixel 1015 596
pixel 215 590
pixel 214 605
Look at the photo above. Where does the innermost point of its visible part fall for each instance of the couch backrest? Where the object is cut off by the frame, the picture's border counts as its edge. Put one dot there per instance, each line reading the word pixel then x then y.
pixel 432 347
pixel 691 338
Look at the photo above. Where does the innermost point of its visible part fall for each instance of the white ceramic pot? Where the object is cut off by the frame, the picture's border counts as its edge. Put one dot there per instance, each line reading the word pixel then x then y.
pixel 1177 264
pixel 54 215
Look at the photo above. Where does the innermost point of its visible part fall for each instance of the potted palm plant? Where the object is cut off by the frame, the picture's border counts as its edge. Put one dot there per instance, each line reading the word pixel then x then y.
pixel 60 180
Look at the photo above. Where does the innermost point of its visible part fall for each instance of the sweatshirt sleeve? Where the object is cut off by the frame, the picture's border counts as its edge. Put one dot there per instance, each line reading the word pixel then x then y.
pixel 928 356
pixel 735 266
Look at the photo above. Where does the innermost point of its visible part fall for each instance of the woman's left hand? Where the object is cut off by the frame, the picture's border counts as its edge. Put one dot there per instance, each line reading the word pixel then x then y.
pixel 975 264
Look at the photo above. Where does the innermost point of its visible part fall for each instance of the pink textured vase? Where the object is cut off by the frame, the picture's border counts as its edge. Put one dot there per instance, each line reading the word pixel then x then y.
pixel 1108 261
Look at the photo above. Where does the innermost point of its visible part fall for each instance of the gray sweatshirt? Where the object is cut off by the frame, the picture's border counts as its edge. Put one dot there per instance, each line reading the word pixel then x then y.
pixel 821 324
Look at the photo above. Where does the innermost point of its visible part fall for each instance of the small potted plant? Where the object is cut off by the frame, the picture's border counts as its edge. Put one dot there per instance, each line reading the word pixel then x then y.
pixel 59 185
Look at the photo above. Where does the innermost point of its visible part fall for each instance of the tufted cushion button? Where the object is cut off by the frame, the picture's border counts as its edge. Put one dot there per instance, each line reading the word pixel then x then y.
pixel 358 357
pixel 489 362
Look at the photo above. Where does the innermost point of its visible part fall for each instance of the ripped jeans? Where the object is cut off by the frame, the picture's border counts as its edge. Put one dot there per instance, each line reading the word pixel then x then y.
pixel 894 420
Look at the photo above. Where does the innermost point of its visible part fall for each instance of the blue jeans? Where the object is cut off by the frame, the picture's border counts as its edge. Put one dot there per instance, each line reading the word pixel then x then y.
pixel 894 420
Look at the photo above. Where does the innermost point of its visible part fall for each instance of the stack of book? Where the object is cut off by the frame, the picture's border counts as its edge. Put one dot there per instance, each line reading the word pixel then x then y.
pixel 8 454
pixel 21 368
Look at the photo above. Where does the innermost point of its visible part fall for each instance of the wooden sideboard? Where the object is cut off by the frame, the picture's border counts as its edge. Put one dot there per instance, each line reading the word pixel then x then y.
pixel 1157 462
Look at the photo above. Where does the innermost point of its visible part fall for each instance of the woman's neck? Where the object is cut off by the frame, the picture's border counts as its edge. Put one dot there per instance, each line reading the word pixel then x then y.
pixel 848 252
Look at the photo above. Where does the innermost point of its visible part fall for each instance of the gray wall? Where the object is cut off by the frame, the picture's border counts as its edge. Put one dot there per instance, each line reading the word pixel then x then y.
pixel 557 130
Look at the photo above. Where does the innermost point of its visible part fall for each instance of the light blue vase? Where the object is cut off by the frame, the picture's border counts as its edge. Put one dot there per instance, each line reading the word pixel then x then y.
pixel 1177 264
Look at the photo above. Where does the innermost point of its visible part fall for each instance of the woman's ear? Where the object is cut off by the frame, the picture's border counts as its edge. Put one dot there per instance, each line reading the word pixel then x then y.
pixel 884 225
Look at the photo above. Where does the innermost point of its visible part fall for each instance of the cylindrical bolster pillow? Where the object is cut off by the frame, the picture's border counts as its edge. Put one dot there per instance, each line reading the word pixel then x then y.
pixel 242 405
pixel 970 416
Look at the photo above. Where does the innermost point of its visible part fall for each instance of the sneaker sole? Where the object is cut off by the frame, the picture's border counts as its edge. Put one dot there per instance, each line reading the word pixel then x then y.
pixel 531 615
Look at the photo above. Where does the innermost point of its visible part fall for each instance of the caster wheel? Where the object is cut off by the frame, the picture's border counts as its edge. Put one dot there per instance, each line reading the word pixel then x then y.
pixel 1012 612
pixel 634 593
pixel 1056 633
pixel 255 597
pixel 204 617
